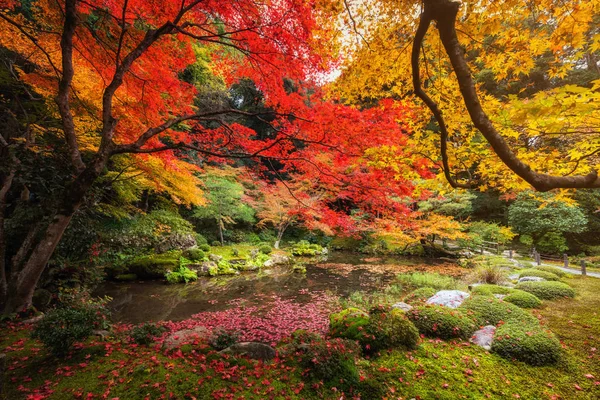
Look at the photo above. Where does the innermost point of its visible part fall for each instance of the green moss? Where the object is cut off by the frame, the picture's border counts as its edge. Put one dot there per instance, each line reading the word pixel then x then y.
pixel 154 266
pixel 553 270
pixel 549 276
pixel 442 322
pixel 425 279
pixel 126 277
pixel 194 254
pixel 419 295
pixel 526 342
pixel 304 248
pixel 348 324
pixel 487 290
pixel 388 328
pixel 523 299
pixel 491 311
pixel 547 290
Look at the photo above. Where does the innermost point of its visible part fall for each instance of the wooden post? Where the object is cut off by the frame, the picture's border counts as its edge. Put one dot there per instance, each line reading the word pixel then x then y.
pixel 2 373
pixel 583 270
pixel 566 260
pixel 510 254
pixel 498 248
pixel 538 259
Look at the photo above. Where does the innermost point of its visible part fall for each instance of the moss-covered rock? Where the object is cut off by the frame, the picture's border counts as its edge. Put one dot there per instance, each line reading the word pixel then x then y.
pixel 349 324
pixel 547 290
pixel 490 290
pixel 194 254
pixel 526 342
pixel 154 266
pixel 442 322
pixel 549 276
pixel 419 295
pixel 126 277
pixel 553 270
pixel 387 328
pixel 491 311
pixel 523 299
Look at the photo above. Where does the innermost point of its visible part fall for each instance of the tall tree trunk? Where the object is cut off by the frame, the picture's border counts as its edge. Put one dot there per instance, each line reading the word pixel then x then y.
pixel 4 189
pixel 221 232
pixel 22 282
pixel 280 232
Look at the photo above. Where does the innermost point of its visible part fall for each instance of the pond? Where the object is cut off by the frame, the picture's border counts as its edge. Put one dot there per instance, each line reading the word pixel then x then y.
pixel 340 275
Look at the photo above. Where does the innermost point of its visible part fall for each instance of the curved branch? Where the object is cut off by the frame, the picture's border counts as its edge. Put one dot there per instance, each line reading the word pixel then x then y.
pixel 444 12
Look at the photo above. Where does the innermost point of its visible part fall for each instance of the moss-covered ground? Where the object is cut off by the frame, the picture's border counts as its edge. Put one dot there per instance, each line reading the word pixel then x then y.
pixel 437 369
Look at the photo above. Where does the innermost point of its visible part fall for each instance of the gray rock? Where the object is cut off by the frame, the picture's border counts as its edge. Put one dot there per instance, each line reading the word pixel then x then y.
pixel 214 257
pixel 182 337
pixel 101 333
pixel 269 263
pixel 280 259
pixel 531 279
pixel 484 337
pixel 500 296
pixel 325 251
pixel 448 298
pixel 253 350
pixel 238 262
pixel 176 241
pixel 253 253
pixel 203 269
pixel 403 306
pixel 34 320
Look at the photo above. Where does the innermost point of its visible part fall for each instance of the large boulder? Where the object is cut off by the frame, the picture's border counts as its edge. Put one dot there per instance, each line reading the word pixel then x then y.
pixel 448 298
pixel 280 259
pixel 204 268
pixel 484 337
pixel 179 338
pixel 176 241
pixel 154 266
pixel 253 350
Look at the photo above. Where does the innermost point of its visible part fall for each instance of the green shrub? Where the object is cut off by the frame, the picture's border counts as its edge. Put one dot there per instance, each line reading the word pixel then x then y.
pixel 224 267
pixel 491 311
pixel 488 290
pixel 154 266
pixel 419 295
pixel 194 254
pixel 200 239
pixel 265 249
pixel 523 299
pixel 553 270
pixel 549 276
pixel 256 262
pixel 442 322
pixel 425 279
pixel 304 248
pixel 146 333
pixel 235 252
pixel 526 342
pixel 388 328
pixel 348 324
pixel 181 275
pixel 488 273
pixel 204 247
pixel 62 327
pixel 215 243
pixel 222 338
pixel 547 290
pixel 331 361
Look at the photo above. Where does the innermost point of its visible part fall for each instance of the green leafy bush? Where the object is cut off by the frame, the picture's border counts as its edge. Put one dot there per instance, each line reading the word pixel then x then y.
pixel 489 290
pixel 348 324
pixel 388 328
pixel 194 254
pixel 491 311
pixel 419 295
pixel 222 338
pixel 146 333
pixel 549 276
pixel 425 279
pixel 265 249
pixel 256 262
pixel 523 299
pixel 331 360
pixel 442 322
pixel 200 239
pixel 526 342
pixel 304 248
pixel 547 290
pixel 224 267
pixel 204 247
pixel 62 327
pixel 215 243
pixel 181 275
pixel 553 270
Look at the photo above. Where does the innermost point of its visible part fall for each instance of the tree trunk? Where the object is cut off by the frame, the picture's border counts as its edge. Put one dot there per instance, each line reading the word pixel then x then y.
pixel 221 232
pixel 22 282
pixel 4 189
pixel 280 232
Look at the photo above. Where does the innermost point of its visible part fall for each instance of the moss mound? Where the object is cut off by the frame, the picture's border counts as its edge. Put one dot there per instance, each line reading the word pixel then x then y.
pixel 388 328
pixel 348 324
pixel 420 295
pixel 549 276
pixel 491 311
pixel 547 290
pixel 526 342
pixel 442 322
pixel 523 299
pixel 490 290
pixel 553 270
pixel 154 266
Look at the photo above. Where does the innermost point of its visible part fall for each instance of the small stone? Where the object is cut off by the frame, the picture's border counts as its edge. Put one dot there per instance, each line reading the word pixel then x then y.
pixel 103 334
pixel 280 259
pixel 214 257
pixel 500 296
pixel 253 350
pixel 448 298
pixel 484 337
pixel 176 339
pixel 531 279
pixel 403 306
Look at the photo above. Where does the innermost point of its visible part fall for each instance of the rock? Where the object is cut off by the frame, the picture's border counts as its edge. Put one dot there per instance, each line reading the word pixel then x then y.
pixel 179 338
pixel 176 241
pixel 403 306
pixel 280 259
pixel 531 279
pixel 103 334
pixel 34 320
pixel 254 253
pixel 253 350
pixel 214 257
pixel 448 298
pixel 238 262
pixel 500 296
pixel 269 263
pixel 325 251
pixel 484 337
